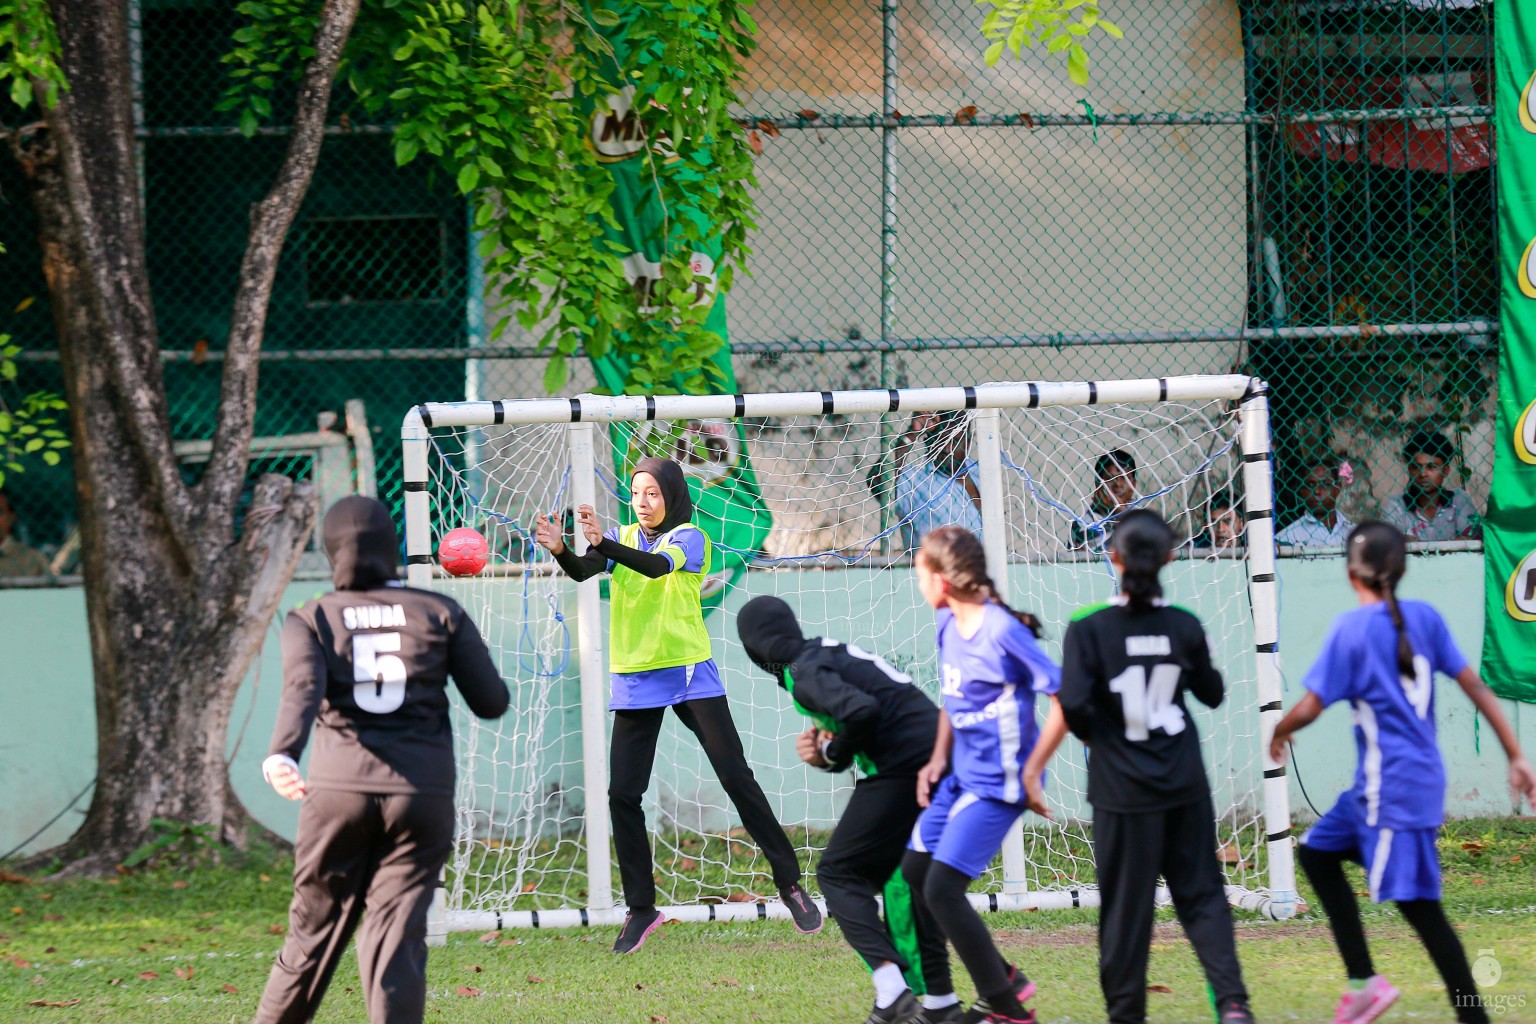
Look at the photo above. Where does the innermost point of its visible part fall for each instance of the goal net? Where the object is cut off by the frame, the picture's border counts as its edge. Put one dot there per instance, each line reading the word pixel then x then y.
pixel 820 498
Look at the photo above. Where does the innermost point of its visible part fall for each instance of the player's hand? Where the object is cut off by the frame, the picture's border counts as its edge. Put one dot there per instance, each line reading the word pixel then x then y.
pixel 928 777
pixel 548 535
pixel 808 746
pixel 1034 795
pixel 586 518
pixel 1522 779
pixel 1280 749
pixel 287 781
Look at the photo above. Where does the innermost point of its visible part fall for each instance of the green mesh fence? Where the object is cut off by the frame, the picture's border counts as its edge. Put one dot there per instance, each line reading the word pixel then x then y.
pixel 1297 189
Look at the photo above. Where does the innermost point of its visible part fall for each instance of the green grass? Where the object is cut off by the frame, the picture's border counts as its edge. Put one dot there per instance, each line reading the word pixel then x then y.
pixel 92 940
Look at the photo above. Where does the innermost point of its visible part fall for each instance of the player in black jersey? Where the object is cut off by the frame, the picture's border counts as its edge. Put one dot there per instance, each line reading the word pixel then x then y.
pixel 865 713
pixel 1125 668
pixel 367 666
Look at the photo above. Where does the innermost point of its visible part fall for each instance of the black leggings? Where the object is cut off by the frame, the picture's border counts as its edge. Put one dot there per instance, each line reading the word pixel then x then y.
pixel 940 890
pixel 629 775
pixel 1325 870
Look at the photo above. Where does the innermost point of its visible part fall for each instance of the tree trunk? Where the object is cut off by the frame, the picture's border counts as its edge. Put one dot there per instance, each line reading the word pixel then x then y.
pixel 178 603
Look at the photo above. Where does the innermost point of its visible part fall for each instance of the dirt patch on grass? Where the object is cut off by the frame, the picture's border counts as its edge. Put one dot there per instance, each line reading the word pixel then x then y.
pixel 1167 931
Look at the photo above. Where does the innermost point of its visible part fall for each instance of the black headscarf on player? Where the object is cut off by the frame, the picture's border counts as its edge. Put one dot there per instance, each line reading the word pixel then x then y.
pixel 361 542
pixel 674 492
pixel 771 635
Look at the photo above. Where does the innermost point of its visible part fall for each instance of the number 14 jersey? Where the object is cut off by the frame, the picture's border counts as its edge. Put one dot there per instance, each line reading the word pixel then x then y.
pixel 1123 678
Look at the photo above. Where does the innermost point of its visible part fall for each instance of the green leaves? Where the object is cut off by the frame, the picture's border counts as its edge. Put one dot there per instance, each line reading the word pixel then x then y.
pixel 29 424
pixel 29 50
pixel 1014 25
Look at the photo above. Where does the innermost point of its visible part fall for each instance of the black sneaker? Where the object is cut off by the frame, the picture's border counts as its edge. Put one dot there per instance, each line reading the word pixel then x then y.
pixel 806 914
pixel 1235 1011
pixel 899 1012
pixel 950 1014
pixel 638 926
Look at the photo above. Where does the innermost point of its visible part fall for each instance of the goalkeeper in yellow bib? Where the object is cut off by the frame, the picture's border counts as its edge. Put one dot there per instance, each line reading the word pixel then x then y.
pixel 660 657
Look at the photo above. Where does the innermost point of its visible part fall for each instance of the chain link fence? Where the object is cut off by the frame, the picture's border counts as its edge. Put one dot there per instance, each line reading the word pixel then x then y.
pixel 1297 188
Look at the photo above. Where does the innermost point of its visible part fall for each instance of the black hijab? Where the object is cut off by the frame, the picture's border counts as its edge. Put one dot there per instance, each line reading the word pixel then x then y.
pixel 674 492
pixel 771 634
pixel 362 544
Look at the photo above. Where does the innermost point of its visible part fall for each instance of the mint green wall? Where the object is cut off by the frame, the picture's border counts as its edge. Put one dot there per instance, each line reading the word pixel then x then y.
pixel 47 733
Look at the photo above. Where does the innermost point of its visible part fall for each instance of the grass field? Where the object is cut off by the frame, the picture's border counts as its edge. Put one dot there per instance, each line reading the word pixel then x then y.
pixel 194 945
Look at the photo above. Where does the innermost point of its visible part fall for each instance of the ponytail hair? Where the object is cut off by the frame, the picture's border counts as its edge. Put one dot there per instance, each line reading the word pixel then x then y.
pixel 956 554
pixel 1143 540
pixel 1378 557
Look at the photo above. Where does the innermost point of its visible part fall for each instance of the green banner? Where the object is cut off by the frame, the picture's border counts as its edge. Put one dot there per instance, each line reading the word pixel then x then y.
pixel 1509 537
pixel 728 503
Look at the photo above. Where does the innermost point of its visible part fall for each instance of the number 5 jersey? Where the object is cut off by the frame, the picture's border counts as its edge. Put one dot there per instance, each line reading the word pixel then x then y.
pixel 369 663
pixel 1124 674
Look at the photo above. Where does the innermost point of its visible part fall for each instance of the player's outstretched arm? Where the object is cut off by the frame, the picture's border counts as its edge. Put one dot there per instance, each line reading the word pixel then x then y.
pixel 577 567
pixel 1522 780
pixel 1301 715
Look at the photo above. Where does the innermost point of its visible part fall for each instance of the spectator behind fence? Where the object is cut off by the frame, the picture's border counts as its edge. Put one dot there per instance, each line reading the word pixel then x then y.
pixel 16 559
pixel 1224 529
pixel 1113 490
pixel 1322 524
pixel 941 490
pixel 1427 509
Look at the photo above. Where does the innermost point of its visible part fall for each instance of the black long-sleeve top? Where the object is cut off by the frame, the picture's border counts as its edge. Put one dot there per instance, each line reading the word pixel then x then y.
pixel 1124 674
pixel 650 564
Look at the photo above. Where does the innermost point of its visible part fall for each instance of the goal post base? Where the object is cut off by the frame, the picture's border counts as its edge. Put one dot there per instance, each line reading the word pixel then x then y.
pixel 1274 906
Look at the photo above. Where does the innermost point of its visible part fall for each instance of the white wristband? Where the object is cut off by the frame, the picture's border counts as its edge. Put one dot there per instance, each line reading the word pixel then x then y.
pixel 274 762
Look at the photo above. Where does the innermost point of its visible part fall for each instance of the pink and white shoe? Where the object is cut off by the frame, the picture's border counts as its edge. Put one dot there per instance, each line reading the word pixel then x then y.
pixel 1368 1004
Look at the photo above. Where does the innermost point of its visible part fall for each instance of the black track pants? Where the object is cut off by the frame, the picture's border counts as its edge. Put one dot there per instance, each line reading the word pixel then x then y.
pixel 1131 851
pixel 630 758
pixel 864 852
pixel 356 852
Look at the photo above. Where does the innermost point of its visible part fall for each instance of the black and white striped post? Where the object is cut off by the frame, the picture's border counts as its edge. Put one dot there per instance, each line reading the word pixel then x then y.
pixel 1264 594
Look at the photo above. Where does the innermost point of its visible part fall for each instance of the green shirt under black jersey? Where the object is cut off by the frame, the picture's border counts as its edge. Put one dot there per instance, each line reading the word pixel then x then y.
pixel 882 722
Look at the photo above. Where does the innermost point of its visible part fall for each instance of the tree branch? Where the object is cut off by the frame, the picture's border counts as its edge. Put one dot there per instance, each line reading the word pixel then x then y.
pixel 270 220
pixel 103 195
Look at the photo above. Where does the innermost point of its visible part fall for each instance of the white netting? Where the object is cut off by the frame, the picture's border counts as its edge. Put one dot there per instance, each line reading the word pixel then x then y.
pixel 842 515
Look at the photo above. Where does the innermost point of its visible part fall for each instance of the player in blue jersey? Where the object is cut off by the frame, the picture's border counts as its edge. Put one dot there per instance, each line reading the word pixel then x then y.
pixel 1382 657
pixel 988 763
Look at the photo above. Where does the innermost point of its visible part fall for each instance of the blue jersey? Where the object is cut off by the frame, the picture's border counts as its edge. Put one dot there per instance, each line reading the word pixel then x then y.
pixel 988 682
pixel 1400 779
pixel 663 687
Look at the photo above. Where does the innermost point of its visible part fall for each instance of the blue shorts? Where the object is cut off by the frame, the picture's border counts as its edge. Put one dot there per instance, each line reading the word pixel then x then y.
pixel 1400 864
pixel 663 687
pixel 962 829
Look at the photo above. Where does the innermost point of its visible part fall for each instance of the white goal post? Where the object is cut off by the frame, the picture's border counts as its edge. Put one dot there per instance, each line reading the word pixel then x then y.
pixel 533 844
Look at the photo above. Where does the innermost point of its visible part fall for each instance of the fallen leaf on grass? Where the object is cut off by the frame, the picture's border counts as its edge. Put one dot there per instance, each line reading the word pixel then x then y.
pixel 490 936
pixel 51 949
pixel 46 1002
pixel 231 990
pixel 264 878
pixel 45 895
pixel 8 878
pixel 184 973
pixel 534 979
pixel 639 987
pixel 465 990
pixel 658 1018
pixel 1474 848
pixel 743 897
pixel 509 942
pixel 180 883
pixel 19 962
pixel 475 967
pixel 148 975
pixel 1164 989
pixel 530 886
pixel 275 929
pixel 114 981
pixel 16 910
pixel 732 982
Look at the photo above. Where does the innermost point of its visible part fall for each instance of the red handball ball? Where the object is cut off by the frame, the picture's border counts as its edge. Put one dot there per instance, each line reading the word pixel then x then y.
pixel 463 552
